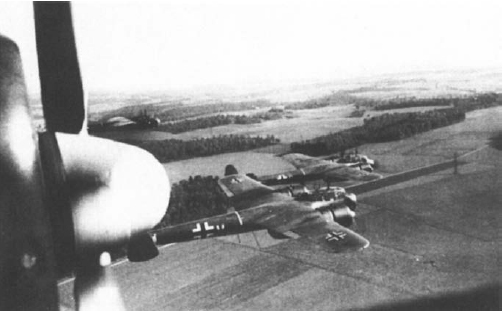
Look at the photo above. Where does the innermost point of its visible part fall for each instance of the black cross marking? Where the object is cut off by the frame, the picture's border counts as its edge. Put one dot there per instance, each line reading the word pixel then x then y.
pixel 206 230
pixel 335 235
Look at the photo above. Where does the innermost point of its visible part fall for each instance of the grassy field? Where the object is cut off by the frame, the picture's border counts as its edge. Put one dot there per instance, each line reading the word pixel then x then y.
pixel 437 145
pixel 309 123
pixel 306 124
pixel 424 149
pixel 139 135
pixel 430 236
pixel 436 235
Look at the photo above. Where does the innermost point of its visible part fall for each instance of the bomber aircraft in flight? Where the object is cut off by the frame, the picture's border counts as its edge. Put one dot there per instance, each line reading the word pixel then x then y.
pixel 258 207
pixel 68 200
pixel 355 160
pixel 310 168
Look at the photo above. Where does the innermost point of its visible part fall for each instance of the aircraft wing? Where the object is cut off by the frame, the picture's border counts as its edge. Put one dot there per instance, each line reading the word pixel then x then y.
pixel 301 160
pixel 295 176
pixel 239 185
pixel 284 216
pixel 332 236
pixel 342 172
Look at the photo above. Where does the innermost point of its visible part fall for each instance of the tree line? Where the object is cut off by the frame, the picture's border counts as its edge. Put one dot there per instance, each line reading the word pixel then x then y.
pixel 195 198
pixel 467 103
pixel 386 127
pixel 176 149
pixel 178 110
pixel 336 98
pixel 194 124
pixel 218 120
pixel 185 111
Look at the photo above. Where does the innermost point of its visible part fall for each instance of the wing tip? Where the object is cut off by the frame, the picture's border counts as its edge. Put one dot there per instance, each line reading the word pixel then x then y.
pixel 367 244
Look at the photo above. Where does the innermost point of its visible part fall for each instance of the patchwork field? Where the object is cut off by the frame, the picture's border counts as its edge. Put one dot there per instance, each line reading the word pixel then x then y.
pixel 433 236
pixel 306 124
pixel 437 145
pixel 138 135
pixel 309 123
pixel 424 149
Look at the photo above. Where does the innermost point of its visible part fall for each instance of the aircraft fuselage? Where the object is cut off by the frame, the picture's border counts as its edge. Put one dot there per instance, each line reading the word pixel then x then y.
pixel 221 225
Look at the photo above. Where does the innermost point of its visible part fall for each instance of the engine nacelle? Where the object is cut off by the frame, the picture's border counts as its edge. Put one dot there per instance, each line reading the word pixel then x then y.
pixel 350 201
pixel 339 213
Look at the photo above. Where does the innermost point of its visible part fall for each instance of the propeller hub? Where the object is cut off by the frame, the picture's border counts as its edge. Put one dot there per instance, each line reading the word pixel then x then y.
pixel 116 191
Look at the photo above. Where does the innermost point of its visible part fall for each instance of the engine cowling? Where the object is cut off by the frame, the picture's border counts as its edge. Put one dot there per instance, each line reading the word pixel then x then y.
pixel 342 215
pixel 342 212
pixel 350 201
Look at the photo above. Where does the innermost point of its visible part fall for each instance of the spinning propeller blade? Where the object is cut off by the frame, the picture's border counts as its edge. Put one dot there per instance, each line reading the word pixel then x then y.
pixel 60 79
pixel 64 111
pixel 27 265
pixel 95 286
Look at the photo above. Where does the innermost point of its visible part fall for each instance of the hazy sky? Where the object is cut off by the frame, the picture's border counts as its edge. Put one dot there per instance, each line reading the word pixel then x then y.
pixel 171 44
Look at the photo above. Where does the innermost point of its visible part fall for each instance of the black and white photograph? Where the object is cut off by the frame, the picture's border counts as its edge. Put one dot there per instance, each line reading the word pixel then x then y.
pixel 251 155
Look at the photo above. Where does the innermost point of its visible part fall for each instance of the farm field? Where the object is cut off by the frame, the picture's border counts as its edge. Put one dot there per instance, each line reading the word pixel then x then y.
pixel 306 124
pixel 393 157
pixel 138 135
pixel 433 236
pixel 418 84
pixel 437 145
